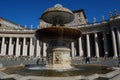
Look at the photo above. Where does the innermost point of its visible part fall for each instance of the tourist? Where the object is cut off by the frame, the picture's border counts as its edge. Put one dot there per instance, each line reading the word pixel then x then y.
pixel 87 60
pixel 106 55
pixel 118 61
pixel 37 62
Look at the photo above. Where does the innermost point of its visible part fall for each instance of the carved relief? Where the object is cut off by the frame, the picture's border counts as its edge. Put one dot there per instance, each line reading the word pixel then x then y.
pixel 57 58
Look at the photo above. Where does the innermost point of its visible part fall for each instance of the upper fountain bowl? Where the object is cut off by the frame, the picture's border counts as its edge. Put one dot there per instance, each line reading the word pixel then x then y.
pixel 57 15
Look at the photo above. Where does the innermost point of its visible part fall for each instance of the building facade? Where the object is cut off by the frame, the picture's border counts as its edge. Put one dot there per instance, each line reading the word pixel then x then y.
pixel 98 39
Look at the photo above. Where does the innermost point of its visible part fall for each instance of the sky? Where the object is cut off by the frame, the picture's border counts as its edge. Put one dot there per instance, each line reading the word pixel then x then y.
pixel 28 12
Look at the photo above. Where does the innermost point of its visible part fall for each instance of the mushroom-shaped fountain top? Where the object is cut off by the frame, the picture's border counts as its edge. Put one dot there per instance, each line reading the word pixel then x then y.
pixel 58 15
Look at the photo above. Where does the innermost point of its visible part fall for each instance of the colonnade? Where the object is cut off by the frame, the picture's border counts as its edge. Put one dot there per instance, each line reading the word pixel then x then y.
pixel 105 49
pixel 17 46
pixel 97 44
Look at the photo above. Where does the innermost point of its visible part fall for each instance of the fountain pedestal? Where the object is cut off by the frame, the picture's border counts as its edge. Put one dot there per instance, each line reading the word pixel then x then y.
pixel 59 58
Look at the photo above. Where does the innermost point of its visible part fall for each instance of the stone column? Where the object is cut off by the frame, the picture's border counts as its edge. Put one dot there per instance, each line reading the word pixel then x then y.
pixel 17 50
pixel 72 49
pixel 44 49
pixel 80 47
pixel 35 46
pixel 31 49
pixel 3 47
pixel 88 45
pixel 38 49
pixel 118 40
pixel 105 44
pixel 114 44
pixel 96 45
pixel 10 49
pixel 24 47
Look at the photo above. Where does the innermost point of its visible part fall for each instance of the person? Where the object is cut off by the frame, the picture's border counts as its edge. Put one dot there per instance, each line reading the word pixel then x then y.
pixel 118 61
pixel 37 62
pixel 106 55
pixel 87 60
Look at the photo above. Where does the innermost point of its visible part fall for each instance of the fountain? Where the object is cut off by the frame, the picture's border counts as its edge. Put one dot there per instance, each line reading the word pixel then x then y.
pixel 58 36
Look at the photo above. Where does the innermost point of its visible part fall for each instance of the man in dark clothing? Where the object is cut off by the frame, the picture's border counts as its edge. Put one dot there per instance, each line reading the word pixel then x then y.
pixel 87 60
pixel 118 61
pixel 37 62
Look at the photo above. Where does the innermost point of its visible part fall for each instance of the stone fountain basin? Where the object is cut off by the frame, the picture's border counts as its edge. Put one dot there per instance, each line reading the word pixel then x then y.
pixel 83 70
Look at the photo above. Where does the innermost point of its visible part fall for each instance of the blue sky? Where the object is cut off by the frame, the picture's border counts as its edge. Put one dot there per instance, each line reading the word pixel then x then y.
pixel 28 12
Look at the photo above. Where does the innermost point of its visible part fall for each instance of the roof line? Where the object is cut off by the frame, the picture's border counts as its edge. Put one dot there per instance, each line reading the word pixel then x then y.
pixel 11 22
